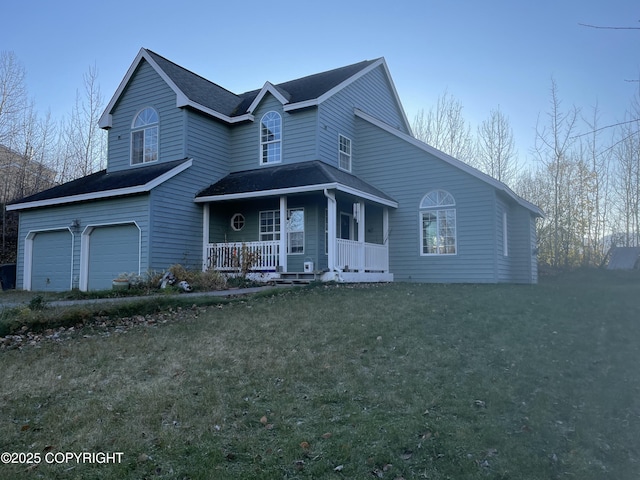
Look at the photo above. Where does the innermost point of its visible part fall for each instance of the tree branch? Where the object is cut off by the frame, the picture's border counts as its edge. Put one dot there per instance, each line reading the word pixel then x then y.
pixel 608 28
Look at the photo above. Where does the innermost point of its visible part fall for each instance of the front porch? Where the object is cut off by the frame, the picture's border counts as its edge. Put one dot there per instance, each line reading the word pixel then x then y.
pixel 301 218
pixel 355 261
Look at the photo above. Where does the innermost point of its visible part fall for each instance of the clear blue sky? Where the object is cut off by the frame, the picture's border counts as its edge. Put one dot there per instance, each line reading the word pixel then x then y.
pixel 484 54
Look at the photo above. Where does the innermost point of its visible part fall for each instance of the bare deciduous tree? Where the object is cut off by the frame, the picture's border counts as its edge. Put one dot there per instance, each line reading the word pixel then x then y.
pixel 13 96
pixel 444 128
pixel 83 143
pixel 496 153
pixel 552 148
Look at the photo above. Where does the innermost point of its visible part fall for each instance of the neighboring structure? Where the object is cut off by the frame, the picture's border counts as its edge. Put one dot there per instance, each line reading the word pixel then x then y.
pixel 20 175
pixel 319 174
pixel 624 258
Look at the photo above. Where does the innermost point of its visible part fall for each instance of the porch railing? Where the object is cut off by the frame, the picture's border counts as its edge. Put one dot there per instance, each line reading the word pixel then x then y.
pixel 265 256
pixel 235 256
pixel 359 256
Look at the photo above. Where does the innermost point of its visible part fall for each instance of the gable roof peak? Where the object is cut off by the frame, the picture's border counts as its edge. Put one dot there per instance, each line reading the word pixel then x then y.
pixel 195 91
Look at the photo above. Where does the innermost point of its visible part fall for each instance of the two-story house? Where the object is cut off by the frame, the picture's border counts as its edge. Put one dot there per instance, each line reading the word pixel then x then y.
pixel 319 174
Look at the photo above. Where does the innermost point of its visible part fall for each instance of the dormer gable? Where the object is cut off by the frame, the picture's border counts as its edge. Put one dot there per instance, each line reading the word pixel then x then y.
pixel 280 95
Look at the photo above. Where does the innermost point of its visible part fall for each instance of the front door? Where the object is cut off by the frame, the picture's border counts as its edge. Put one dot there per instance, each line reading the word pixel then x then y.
pixel 346 226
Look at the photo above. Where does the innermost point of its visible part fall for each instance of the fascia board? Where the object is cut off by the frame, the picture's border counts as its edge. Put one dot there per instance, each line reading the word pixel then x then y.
pixel 117 192
pixel 367 196
pixel 450 160
pixel 182 99
pixel 265 193
pixel 300 105
pixel 185 102
pixel 105 119
pixel 292 190
pixel 266 88
pixel 397 97
pixel 328 94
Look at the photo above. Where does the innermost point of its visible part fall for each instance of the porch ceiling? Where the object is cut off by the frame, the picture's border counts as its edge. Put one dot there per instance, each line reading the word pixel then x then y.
pixel 292 178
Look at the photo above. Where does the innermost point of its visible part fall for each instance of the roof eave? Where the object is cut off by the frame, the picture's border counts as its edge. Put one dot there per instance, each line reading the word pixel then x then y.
pixel 268 87
pixel 302 189
pixel 182 100
pixel 451 160
pixel 116 192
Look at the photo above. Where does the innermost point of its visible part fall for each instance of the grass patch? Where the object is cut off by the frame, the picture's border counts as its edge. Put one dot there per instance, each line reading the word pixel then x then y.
pixel 347 381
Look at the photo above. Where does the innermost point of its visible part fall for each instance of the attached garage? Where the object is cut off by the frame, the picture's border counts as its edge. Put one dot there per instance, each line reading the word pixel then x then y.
pixel 51 260
pixel 110 251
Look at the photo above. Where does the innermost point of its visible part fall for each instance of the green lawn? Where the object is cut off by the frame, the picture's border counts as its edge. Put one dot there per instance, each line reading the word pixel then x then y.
pixel 345 381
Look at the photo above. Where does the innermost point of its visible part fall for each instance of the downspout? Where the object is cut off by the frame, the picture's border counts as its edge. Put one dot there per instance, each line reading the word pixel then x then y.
pixel 331 232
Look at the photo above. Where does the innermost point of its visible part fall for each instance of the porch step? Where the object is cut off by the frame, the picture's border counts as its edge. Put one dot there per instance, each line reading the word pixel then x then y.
pixel 297 278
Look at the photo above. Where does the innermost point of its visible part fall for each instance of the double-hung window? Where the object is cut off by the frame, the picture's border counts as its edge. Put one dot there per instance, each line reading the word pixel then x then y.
pixel 438 224
pixel 344 153
pixel 270 228
pixel 269 225
pixel 144 137
pixel 271 138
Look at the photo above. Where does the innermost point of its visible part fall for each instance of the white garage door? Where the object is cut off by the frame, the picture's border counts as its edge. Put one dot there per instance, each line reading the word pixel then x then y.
pixel 51 261
pixel 113 250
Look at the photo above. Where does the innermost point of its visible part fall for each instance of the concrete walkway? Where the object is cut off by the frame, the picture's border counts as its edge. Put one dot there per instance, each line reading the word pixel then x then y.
pixel 232 292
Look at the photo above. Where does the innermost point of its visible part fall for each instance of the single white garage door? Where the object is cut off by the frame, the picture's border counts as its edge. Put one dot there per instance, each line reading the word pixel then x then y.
pixel 51 261
pixel 113 250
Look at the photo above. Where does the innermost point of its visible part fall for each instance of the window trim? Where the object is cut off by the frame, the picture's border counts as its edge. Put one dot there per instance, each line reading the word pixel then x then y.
pixel 441 204
pixel 265 143
pixel 276 226
pixel 242 222
pixel 347 155
pixel 289 231
pixel 145 129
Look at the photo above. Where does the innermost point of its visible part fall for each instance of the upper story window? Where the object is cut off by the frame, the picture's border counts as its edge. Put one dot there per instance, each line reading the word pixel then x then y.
pixel 438 223
pixel 344 153
pixel 271 138
pixel 144 137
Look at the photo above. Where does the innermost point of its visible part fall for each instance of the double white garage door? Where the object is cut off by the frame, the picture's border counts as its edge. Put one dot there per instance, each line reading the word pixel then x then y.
pixel 109 250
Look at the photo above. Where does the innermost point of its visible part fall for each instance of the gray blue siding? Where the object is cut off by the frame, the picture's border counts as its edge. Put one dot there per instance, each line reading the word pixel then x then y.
pixel 146 89
pixel 105 212
pixel 407 173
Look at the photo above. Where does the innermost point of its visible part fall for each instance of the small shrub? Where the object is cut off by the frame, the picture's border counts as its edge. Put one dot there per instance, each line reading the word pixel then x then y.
pixel 37 303
pixel 210 280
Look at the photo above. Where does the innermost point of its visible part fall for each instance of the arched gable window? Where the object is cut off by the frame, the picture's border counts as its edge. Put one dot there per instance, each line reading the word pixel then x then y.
pixel 144 137
pixel 438 223
pixel 271 138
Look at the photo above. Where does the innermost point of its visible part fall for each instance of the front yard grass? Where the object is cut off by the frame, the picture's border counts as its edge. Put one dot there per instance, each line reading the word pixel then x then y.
pixel 346 381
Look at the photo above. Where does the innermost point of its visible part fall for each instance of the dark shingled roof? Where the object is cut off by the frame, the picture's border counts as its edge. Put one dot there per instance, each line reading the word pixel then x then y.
pixel 294 175
pixel 102 181
pixel 197 88
pixel 213 96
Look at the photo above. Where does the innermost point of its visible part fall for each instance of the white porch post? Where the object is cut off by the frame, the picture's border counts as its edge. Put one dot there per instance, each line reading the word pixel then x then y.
pixel 385 233
pixel 332 212
pixel 205 235
pixel 283 233
pixel 361 233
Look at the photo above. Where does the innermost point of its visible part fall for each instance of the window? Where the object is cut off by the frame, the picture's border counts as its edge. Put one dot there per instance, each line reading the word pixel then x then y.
pixel 270 228
pixel 295 230
pixel 270 225
pixel 344 152
pixel 144 137
pixel 237 222
pixel 270 138
pixel 438 224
